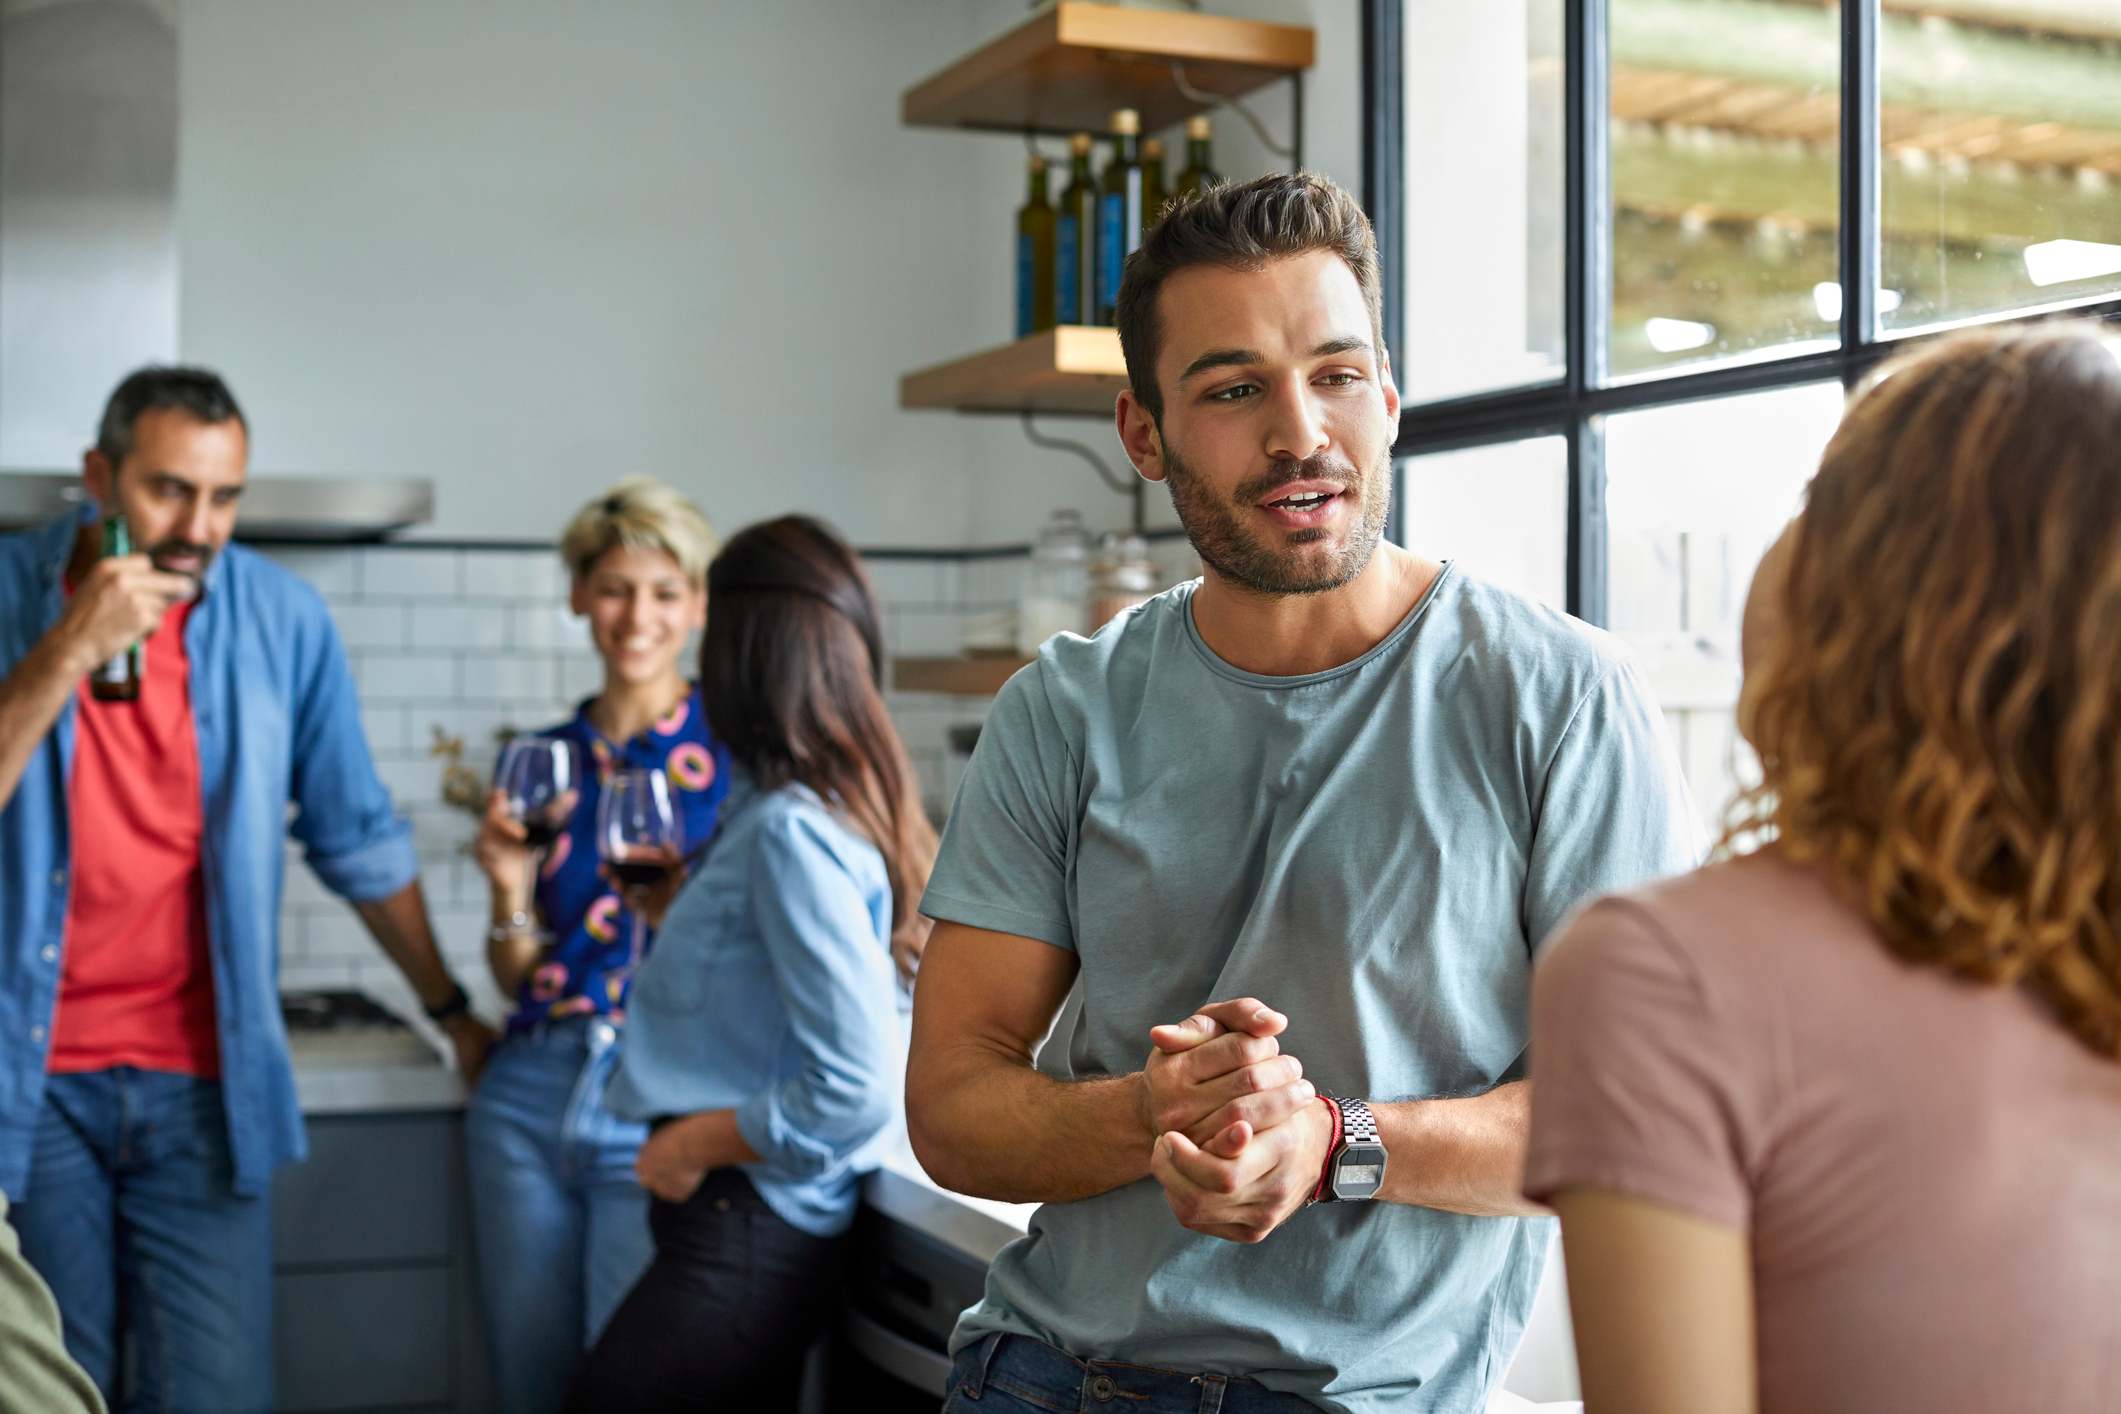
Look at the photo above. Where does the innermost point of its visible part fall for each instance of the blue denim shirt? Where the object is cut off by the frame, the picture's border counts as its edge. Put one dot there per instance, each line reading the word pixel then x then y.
pixel 770 992
pixel 273 702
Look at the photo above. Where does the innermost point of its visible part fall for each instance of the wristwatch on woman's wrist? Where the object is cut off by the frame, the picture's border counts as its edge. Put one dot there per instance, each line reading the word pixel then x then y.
pixel 1355 1166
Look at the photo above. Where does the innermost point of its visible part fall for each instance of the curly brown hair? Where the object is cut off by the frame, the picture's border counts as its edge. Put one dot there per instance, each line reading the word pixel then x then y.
pixel 1939 719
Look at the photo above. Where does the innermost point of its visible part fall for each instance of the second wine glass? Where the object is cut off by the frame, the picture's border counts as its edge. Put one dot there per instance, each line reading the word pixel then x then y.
pixel 540 780
pixel 638 836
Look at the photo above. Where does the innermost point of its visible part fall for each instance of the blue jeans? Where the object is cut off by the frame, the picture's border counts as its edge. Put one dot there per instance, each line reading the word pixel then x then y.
pixel 131 1218
pixel 560 1222
pixel 1013 1374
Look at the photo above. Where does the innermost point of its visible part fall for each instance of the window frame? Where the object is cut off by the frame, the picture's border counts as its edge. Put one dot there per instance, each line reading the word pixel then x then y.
pixel 1575 405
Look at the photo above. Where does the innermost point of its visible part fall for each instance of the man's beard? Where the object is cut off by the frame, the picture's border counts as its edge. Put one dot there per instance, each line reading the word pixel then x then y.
pixel 1224 544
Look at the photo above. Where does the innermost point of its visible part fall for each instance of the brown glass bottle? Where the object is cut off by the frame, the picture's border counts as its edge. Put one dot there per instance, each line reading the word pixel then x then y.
pixel 1200 169
pixel 119 679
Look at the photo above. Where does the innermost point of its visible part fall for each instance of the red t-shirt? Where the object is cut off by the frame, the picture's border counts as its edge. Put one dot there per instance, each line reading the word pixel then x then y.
pixel 137 985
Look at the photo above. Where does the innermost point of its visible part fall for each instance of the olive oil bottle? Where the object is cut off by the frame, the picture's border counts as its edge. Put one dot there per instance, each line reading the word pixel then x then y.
pixel 1075 244
pixel 1036 241
pixel 1154 193
pixel 1119 210
pixel 1200 166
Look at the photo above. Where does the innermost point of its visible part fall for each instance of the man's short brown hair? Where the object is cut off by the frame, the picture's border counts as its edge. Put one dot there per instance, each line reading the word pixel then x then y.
pixel 1240 226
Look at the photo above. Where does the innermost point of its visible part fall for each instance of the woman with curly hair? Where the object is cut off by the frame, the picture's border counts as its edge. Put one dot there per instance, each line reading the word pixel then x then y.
pixel 1834 1124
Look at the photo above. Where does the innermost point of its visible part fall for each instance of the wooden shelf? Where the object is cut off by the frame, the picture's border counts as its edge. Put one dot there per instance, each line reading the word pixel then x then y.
pixel 963 677
pixel 1074 368
pixel 1067 69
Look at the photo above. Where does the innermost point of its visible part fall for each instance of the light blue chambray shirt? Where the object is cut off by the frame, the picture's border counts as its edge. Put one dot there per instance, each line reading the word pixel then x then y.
pixel 278 723
pixel 771 992
pixel 1378 851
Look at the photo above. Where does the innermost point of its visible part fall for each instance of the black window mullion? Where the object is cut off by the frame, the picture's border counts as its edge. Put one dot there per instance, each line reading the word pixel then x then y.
pixel 1384 180
pixel 1859 174
pixel 1588 291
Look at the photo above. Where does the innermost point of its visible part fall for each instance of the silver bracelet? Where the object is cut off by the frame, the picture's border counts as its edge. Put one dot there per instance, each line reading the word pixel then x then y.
pixel 518 924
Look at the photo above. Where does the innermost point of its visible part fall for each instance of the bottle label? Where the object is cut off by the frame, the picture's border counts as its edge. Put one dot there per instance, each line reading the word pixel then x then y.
pixel 1025 269
pixel 1112 246
pixel 1067 287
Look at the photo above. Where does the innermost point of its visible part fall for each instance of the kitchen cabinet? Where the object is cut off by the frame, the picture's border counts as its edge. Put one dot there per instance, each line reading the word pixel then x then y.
pixel 374 1299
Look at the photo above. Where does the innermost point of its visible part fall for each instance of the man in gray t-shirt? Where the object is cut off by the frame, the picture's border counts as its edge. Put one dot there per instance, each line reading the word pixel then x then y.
pixel 1293 834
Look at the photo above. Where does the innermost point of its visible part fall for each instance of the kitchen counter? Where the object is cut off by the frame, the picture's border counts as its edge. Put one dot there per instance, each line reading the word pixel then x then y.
pixel 371 1072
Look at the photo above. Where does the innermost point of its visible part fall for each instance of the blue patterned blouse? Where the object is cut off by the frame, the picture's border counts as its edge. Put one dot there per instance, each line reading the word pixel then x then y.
pixel 587 970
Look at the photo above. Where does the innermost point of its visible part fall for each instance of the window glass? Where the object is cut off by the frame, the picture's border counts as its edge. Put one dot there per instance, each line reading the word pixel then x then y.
pixel 1695 494
pixel 1502 513
pixel 2000 185
pixel 1726 180
pixel 1484 197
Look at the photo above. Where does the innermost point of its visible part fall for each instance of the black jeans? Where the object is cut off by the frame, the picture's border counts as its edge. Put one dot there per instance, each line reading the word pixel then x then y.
pixel 723 1315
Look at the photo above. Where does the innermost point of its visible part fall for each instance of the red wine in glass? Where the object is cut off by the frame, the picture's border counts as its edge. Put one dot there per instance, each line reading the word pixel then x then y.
pixel 539 778
pixel 638 835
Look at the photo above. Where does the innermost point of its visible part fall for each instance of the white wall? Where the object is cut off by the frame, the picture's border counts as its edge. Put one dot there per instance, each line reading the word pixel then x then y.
pixel 524 248
pixel 88 256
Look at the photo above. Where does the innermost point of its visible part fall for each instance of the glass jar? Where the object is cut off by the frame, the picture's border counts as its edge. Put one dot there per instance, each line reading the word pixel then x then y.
pixel 1122 576
pixel 1056 587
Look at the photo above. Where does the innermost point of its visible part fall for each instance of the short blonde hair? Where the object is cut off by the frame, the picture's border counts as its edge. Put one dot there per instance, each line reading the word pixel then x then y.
pixel 640 513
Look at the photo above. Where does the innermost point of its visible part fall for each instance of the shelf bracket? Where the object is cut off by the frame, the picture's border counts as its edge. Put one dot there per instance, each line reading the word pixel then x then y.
pixel 1130 487
pixel 1294 150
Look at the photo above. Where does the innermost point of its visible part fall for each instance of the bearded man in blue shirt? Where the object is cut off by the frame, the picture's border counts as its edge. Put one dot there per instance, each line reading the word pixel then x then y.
pixel 146 1094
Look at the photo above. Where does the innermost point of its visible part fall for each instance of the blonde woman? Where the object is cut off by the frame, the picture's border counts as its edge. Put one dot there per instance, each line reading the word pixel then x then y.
pixel 1834 1126
pixel 560 1222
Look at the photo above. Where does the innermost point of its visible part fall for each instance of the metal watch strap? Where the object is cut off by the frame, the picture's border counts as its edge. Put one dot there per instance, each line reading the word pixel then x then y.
pixel 1357 1124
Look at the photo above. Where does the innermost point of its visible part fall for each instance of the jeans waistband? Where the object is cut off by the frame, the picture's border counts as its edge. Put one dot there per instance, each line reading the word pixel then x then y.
pixel 1031 1369
pixel 588 1030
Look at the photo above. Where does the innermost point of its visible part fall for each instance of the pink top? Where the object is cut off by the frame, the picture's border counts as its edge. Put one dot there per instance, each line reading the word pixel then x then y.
pixel 1929 1171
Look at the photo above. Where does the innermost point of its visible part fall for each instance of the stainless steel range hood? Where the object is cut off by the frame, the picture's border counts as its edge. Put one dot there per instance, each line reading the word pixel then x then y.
pixel 316 508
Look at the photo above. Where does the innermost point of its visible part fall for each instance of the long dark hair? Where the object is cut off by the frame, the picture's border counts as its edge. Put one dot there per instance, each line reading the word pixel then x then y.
pixel 791 669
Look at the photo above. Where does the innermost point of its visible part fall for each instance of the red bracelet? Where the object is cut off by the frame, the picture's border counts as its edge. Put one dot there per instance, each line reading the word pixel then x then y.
pixel 1325 1170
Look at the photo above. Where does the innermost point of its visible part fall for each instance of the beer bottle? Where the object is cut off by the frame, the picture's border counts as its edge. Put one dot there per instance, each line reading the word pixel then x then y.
pixel 1035 249
pixel 1075 240
pixel 1200 170
pixel 1154 193
pixel 119 679
pixel 1119 210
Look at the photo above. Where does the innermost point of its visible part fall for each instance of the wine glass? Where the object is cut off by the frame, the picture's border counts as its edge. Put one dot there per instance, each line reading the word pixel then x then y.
pixel 638 835
pixel 539 779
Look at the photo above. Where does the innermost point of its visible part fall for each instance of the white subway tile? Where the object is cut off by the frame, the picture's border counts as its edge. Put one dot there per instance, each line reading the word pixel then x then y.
pixel 550 626
pixel 514 574
pixel 330 571
pixel 924 633
pixel 459 626
pixel 405 573
pixel 307 976
pixel 364 625
pixel 504 677
pixel 405 677
pixel 386 728
pixel 582 674
pixel 340 936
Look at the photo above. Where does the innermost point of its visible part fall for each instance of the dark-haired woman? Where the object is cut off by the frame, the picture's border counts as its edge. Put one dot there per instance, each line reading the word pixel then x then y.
pixel 1834 1126
pixel 763 1046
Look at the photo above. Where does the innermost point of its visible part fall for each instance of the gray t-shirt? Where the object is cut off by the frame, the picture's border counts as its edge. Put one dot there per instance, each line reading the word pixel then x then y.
pixel 1377 851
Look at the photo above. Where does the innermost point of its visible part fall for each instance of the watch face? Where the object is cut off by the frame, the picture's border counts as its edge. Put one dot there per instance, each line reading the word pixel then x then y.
pixel 1359 1172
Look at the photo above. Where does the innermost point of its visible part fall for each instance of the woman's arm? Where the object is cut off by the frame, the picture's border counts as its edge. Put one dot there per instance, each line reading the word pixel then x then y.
pixel 1663 1307
pixel 504 858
